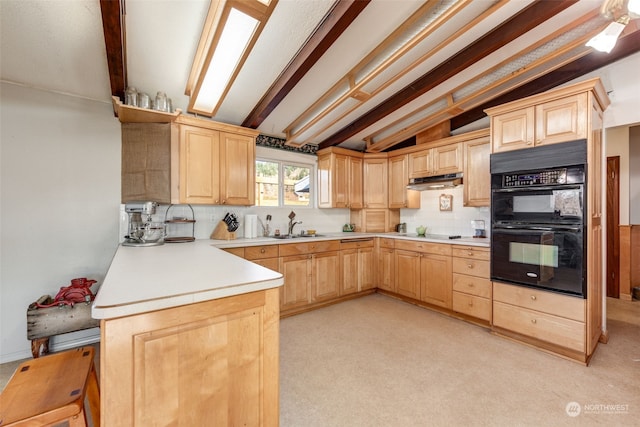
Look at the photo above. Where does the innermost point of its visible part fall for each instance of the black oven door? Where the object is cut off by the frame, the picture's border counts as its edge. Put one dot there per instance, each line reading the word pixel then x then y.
pixel 543 205
pixel 550 258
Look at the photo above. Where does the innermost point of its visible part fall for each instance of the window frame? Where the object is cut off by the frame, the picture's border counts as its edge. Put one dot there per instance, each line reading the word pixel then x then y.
pixel 282 158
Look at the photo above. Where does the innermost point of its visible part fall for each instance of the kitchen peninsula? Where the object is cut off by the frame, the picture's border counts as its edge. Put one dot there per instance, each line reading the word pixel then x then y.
pixel 189 335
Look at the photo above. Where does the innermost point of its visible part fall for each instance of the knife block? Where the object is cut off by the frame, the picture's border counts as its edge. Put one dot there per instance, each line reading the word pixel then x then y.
pixel 221 232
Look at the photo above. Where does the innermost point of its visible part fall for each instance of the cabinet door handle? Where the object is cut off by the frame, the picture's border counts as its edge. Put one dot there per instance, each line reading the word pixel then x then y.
pixel 262 251
pixel 533 297
pixel 534 321
pixel 470 285
pixel 469 265
pixel 470 253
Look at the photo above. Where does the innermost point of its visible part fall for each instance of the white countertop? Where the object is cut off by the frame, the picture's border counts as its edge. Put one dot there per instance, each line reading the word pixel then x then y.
pixel 143 279
pixel 434 238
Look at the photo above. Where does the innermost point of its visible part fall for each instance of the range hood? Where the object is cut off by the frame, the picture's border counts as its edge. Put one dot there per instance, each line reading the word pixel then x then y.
pixel 435 182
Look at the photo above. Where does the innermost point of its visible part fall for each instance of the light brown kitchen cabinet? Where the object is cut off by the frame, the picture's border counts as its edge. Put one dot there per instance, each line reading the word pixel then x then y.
pixel 549 122
pixel 216 168
pixel 438 160
pixel 340 178
pixel 472 288
pixel 477 173
pixel 374 220
pixel 423 271
pixel 559 115
pixel 385 261
pixel 311 273
pixel 357 266
pixel 399 195
pixel 376 178
pixel 208 363
pixel 266 256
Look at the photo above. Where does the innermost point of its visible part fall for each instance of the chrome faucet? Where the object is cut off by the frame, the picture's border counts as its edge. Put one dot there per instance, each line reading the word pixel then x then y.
pixel 292 224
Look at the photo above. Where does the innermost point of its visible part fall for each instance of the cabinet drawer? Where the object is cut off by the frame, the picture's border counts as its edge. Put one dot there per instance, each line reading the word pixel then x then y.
pixel 471 267
pixel 472 285
pixel 309 247
pixel 425 247
pixel 387 243
pixel 261 252
pixel 545 327
pixel 356 244
pixel 546 302
pixel 236 251
pixel 473 252
pixel 472 305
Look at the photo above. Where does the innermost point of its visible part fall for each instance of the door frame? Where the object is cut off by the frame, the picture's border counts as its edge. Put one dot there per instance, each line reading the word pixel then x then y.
pixel 613 227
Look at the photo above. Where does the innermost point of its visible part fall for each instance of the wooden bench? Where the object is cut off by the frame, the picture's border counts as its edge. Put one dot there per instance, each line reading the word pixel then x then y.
pixel 51 390
pixel 43 323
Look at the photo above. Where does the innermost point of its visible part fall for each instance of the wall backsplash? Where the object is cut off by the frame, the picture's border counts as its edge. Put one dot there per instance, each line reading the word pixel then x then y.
pixel 456 221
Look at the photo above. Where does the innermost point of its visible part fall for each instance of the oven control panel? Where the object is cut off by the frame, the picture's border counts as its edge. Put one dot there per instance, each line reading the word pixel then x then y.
pixel 545 177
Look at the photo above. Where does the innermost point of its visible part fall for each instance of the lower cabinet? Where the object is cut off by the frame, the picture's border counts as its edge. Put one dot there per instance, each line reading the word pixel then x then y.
pixel 311 273
pixel 385 262
pixel 423 271
pixel 357 266
pixel 207 363
pixel 555 319
pixel 471 284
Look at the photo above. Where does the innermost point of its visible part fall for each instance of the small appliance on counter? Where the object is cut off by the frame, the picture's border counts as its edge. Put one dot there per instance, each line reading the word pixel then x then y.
pixel 142 231
pixel 478 226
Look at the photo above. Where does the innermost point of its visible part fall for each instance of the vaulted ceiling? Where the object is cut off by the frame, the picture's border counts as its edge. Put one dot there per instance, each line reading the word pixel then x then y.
pixel 366 74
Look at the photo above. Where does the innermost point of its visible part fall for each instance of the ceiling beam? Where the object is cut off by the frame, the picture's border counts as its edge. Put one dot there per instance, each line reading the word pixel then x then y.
pixel 114 40
pixel 626 46
pixel 341 15
pixel 527 19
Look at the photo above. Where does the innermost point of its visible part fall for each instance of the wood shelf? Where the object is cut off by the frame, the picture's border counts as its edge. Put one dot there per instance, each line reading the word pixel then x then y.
pixel 129 114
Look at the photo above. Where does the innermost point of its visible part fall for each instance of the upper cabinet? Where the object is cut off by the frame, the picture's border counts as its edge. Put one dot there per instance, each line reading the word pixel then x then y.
pixel 340 178
pixel 561 119
pixel 399 195
pixel 183 159
pixel 440 160
pixel 376 179
pixel 477 175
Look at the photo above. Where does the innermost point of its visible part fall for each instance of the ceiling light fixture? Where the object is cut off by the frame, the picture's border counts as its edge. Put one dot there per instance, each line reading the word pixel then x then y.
pixel 230 31
pixel 621 14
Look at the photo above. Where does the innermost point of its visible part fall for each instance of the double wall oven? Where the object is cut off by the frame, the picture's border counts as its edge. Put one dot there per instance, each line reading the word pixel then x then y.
pixel 538 199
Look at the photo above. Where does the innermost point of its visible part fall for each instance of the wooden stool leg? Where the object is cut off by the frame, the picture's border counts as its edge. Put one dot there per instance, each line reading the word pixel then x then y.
pixel 93 395
pixel 39 346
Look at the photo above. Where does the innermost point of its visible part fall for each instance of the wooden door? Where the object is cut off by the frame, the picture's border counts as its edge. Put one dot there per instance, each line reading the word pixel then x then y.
pixel 399 196
pixel 513 130
pixel 420 163
pixel 355 183
pixel 349 269
pixel 613 227
pixel 447 159
pixel 296 290
pixel 435 279
pixel 325 276
pixel 407 264
pixel 477 173
pixel 376 179
pixel 325 181
pixel 366 269
pixel 386 269
pixel 237 169
pixel 340 185
pixel 199 165
pixel 561 120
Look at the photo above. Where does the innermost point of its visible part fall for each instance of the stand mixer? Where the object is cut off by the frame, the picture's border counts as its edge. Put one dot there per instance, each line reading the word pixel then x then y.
pixel 141 230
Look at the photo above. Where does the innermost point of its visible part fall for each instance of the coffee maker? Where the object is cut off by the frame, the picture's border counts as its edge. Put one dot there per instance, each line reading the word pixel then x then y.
pixel 142 231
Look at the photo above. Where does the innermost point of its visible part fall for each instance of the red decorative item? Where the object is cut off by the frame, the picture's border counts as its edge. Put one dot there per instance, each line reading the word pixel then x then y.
pixel 78 291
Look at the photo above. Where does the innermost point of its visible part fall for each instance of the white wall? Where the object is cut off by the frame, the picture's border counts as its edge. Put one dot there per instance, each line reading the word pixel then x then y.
pixel 60 183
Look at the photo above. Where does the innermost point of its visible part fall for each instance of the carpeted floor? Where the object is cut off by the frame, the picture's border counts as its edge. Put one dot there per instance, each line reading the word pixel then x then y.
pixel 377 361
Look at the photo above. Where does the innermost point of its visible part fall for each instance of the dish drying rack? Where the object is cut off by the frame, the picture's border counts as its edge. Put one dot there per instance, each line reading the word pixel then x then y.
pixel 178 223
